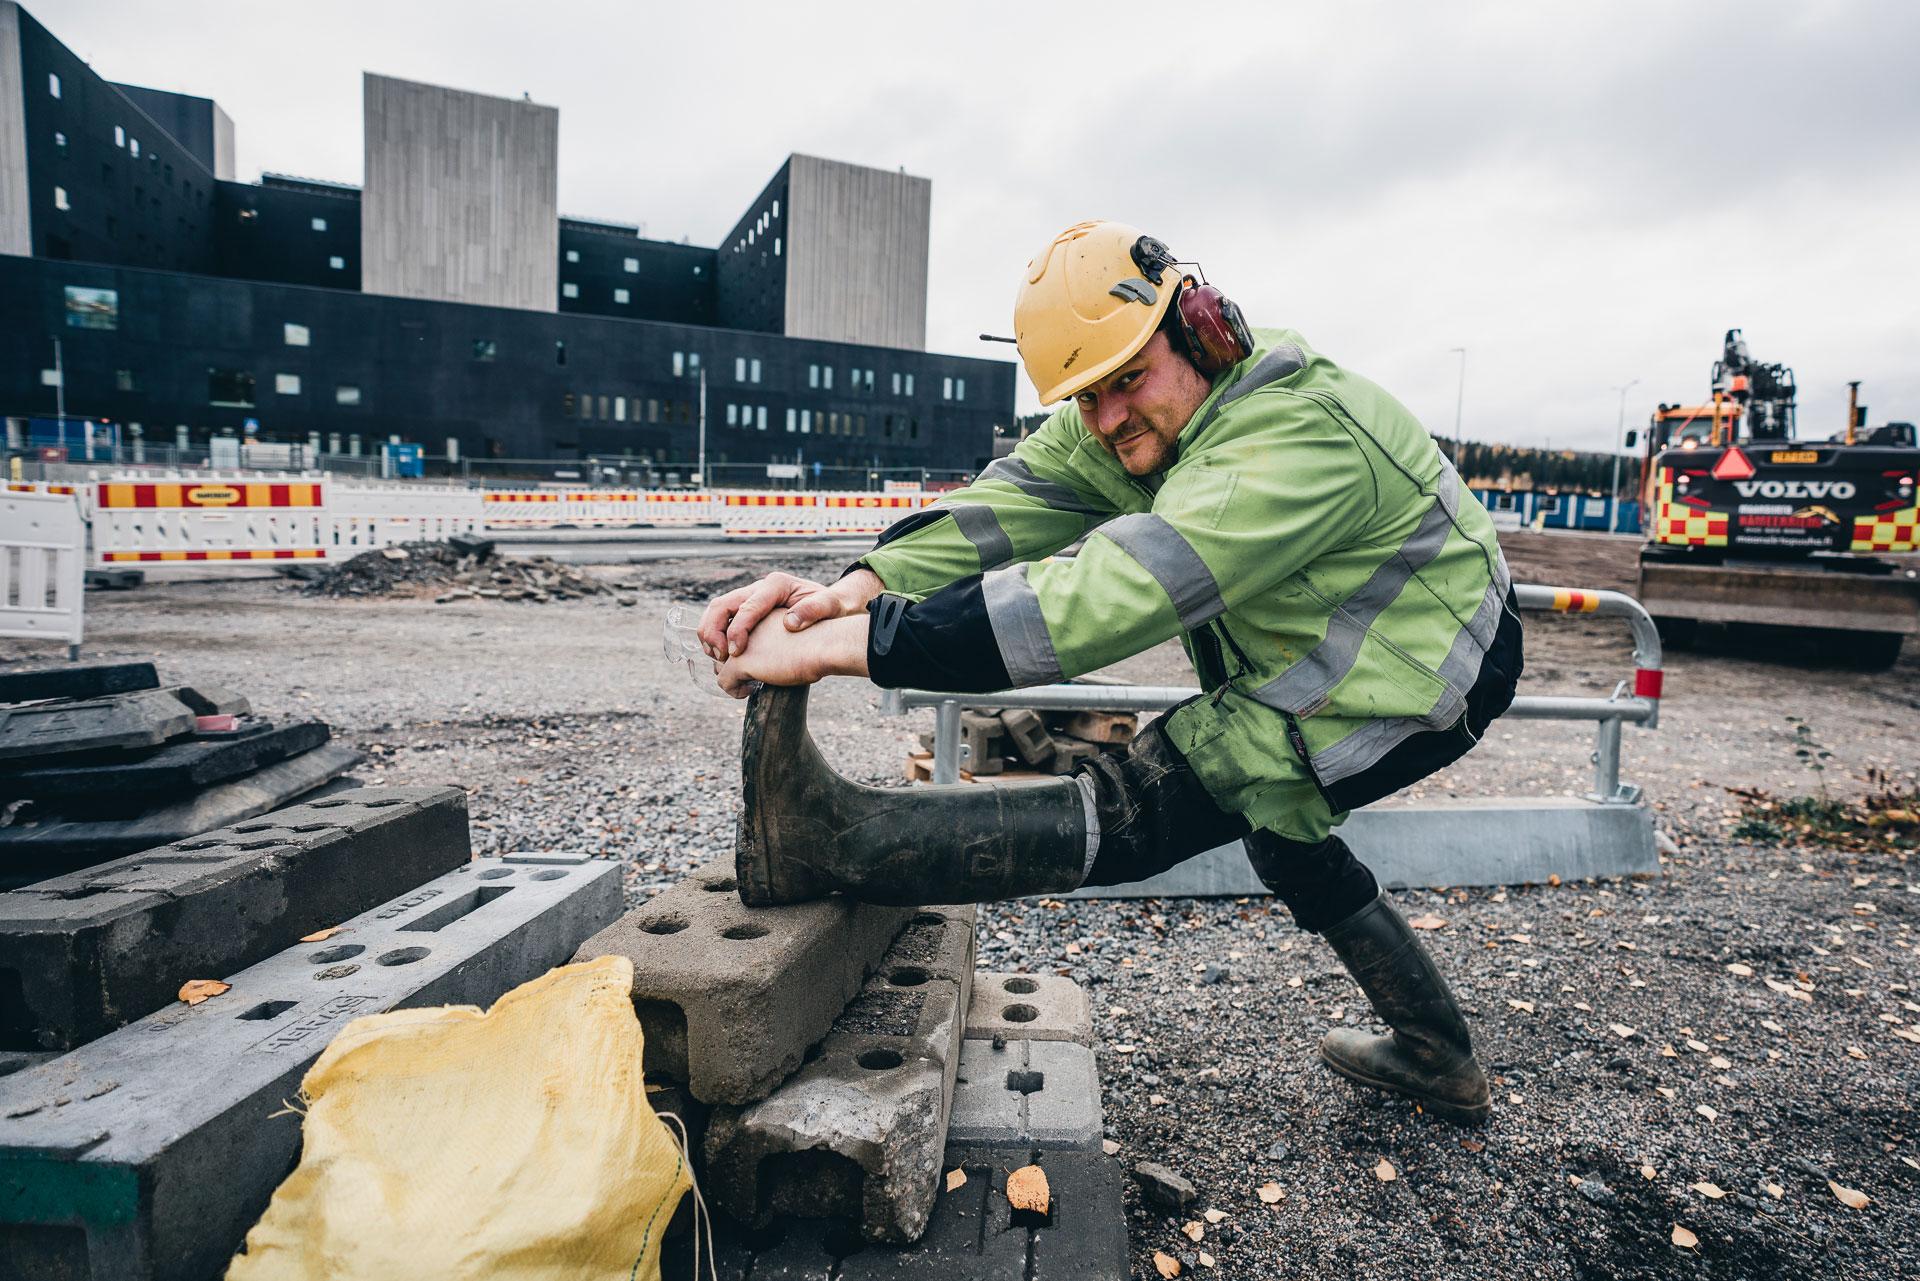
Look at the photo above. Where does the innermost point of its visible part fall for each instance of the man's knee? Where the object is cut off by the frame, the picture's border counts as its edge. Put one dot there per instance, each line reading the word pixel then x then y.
pixel 1152 811
pixel 1322 884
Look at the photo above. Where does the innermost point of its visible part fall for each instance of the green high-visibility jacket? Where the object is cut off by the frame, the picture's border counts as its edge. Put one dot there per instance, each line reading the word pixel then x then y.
pixel 1309 522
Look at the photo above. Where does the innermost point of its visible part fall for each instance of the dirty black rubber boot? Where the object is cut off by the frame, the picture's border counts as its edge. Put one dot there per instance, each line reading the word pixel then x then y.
pixel 806 832
pixel 1429 1055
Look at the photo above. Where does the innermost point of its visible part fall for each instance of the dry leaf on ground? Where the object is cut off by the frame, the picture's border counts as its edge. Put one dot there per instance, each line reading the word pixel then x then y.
pixel 320 935
pixel 1428 922
pixel 1206 1260
pixel 1525 1007
pixel 1109 1146
pixel 956 1177
pixel 1270 1193
pixel 1385 1171
pixel 1849 1197
pixel 1744 971
pixel 1165 1264
pixel 1707 1112
pixel 1192 1230
pixel 1214 1216
pixel 1622 1031
pixel 1683 1238
pixel 1646 1172
pixel 194 991
pixel 1712 1190
pixel 1027 1189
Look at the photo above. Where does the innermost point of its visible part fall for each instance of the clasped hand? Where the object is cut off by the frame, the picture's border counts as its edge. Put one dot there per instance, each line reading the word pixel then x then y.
pixel 787 630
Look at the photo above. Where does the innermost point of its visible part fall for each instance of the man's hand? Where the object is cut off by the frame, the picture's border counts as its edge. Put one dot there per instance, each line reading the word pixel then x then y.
pixel 779 655
pixel 730 619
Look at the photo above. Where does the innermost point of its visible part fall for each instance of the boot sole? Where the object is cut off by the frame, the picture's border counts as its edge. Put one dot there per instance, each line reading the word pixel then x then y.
pixel 1466 1113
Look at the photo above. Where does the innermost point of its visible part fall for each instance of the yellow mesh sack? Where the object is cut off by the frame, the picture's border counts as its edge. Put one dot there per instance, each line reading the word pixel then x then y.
pixel 515 1143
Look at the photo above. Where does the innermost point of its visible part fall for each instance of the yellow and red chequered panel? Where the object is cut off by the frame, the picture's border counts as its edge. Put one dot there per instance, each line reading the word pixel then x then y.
pixel 1888 531
pixel 1680 525
pixel 189 496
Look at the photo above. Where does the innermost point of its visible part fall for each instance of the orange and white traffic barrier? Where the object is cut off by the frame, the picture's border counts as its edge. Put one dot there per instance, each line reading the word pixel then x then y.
pixel 865 513
pixel 683 507
pixel 773 515
pixel 360 519
pixel 139 522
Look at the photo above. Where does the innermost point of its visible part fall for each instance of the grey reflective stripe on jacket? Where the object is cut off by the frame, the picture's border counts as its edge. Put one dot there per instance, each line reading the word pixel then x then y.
pixel 1019 628
pixel 1179 570
pixel 1010 470
pixel 1303 688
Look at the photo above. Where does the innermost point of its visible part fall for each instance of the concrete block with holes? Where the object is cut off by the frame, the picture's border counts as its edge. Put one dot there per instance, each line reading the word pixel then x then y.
pixel 1038 1094
pixel 84 953
pixel 1028 1007
pixel 151 1151
pixel 856 1134
pixel 732 997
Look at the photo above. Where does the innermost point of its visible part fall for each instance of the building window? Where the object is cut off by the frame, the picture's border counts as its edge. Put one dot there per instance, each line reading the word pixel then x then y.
pixel 813 375
pixel 485 349
pixel 60 142
pixel 959 389
pixel 60 198
pixel 619 409
pixel 573 255
pixel 776 246
pixel 123 380
pixel 753 370
pixel 793 420
pixel 679 364
pixel 946 389
pixel 733 414
pixel 761 416
pixel 896 384
pixel 53 87
pixel 133 148
pixel 559 352
pixel 622 296
pixel 605 410
pixel 49 377
pixel 88 308
pixel 653 410
pixel 286 384
pixel 569 291
pixel 631 265
pixel 776 208
pixel 586 407
pixel 566 404
pixel 319 224
pixel 231 387
pixel 346 394
pixel 337 263
pixel 739 369
pixel 806 421
pixel 297 335
pixel 909 384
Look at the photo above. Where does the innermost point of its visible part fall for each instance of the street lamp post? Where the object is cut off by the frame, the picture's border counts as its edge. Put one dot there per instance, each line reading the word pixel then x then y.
pixel 1459 401
pixel 703 426
pixel 1619 438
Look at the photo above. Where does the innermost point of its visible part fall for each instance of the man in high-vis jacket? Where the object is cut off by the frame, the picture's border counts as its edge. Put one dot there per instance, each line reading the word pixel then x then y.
pixel 1342 597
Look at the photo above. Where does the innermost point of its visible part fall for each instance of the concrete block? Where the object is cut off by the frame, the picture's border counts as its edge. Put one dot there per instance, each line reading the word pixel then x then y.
pixel 1487 841
pixel 37 849
pixel 856 1133
pixel 83 954
pixel 150 1152
pixel 731 997
pixel 144 718
pixel 92 680
pixel 184 765
pixel 212 700
pixel 1029 735
pixel 114 580
pixel 972 1234
pixel 1028 1007
pixel 1040 1094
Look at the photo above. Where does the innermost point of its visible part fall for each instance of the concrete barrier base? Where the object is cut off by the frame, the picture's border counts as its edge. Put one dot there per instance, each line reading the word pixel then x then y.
pixel 1490 841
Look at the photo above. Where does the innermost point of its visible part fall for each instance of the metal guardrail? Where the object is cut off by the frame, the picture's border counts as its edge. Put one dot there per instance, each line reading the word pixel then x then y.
pixel 1641 706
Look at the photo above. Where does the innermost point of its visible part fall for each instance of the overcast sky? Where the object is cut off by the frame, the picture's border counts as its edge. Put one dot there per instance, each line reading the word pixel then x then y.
pixel 1579 196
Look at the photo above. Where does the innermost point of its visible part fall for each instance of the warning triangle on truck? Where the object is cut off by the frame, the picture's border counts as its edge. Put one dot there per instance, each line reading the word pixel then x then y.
pixel 1733 465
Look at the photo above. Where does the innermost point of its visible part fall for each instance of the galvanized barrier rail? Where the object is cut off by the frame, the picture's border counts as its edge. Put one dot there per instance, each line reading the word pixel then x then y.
pixel 1637 703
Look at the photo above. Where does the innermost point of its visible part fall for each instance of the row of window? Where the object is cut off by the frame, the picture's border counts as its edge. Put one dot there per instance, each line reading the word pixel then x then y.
pixel 759 229
pixel 236 388
pixel 590 407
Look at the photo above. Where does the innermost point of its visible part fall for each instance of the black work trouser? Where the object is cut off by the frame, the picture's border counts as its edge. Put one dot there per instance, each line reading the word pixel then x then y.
pixel 1154 814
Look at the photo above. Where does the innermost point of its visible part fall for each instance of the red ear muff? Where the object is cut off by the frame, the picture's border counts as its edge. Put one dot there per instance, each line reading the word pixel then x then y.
pixel 1215 332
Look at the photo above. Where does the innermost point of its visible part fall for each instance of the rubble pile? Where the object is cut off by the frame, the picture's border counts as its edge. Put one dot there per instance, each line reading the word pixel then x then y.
pixel 463 569
pixel 1024 740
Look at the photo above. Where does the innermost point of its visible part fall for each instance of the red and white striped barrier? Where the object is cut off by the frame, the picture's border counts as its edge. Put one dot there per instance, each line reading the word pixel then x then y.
pixel 869 513
pixel 362 519
pixel 773 515
pixel 139 522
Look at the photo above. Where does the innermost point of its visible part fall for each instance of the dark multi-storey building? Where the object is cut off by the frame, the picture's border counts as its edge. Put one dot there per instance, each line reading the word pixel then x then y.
pixel 446 302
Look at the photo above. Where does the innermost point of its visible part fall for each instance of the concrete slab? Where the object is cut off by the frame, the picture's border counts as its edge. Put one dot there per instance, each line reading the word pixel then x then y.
pixel 91 680
pixel 144 718
pixel 184 765
pixel 150 1152
pixel 731 997
pixel 212 700
pixel 972 1233
pixel 856 1133
pixel 1490 841
pixel 1039 1094
pixel 82 954
pixel 1028 1007
pixel 32 851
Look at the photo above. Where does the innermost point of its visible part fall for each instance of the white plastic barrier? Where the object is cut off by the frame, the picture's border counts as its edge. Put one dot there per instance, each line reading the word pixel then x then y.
pixel 523 508
pixel 599 508
pixel 769 515
pixel 42 573
pixel 683 507
pixel 363 518
pixel 210 519
pixel 865 513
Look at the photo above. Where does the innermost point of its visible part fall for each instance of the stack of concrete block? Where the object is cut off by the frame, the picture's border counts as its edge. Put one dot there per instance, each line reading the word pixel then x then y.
pixel 108 762
pixel 1022 739
pixel 149 1152
pixel 837 1062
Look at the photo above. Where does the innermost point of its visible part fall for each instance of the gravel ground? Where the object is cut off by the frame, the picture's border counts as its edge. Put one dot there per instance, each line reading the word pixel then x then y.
pixel 569 728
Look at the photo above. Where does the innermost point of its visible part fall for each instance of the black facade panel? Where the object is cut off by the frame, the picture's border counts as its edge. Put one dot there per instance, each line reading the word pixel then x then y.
pixel 296 235
pixel 614 272
pixel 107 183
pixel 188 120
pixel 752 262
pixel 503 383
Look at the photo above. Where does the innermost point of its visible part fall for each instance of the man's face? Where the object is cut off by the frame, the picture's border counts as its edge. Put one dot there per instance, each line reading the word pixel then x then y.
pixel 1137 411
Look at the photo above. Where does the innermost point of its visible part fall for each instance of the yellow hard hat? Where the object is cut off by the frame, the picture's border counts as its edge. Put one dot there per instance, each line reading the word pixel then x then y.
pixel 1092 298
